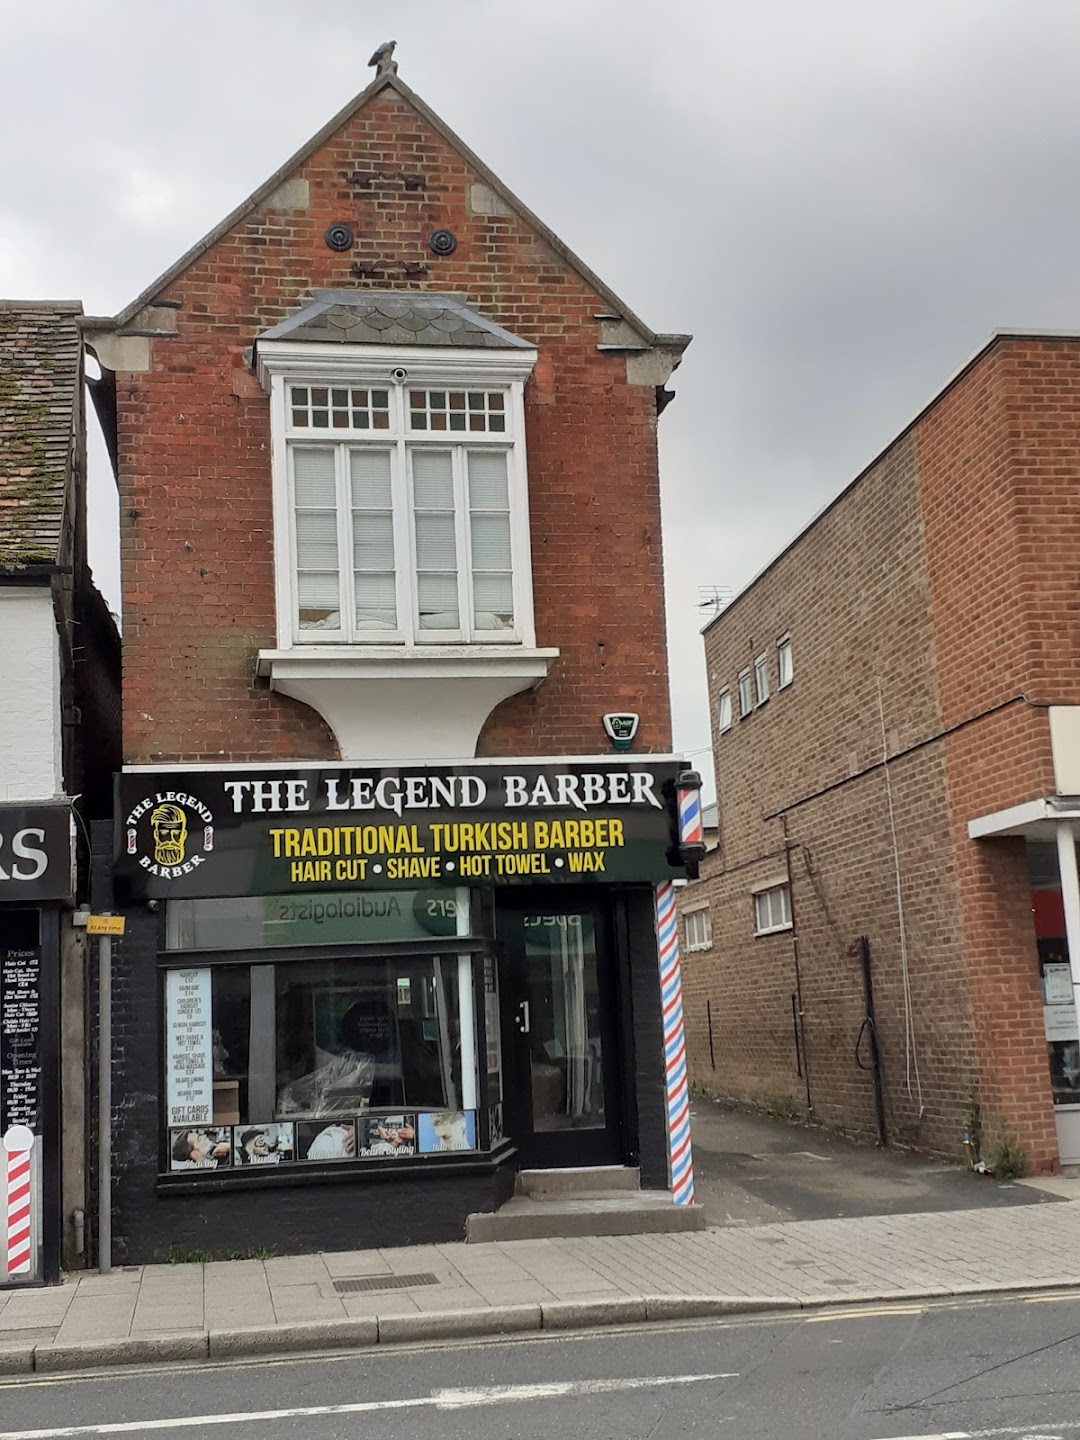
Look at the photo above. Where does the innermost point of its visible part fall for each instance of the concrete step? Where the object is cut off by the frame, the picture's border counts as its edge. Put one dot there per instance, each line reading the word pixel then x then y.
pixel 624 1212
pixel 580 1182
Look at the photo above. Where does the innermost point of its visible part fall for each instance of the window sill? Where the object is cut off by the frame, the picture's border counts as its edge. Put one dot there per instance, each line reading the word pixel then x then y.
pixel 772 930
pixel 431 701
pixel 300 1172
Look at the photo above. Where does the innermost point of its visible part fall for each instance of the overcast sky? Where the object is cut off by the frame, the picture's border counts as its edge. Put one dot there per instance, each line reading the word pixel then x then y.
pixel 841 199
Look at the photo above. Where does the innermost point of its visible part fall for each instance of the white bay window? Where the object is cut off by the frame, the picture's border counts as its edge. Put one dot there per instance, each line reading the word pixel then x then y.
pixel 398 535
pixel 401 539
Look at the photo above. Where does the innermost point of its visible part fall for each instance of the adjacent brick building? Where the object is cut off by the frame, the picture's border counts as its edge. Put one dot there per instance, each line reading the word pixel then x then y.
pixel 387 460
pixel 894 705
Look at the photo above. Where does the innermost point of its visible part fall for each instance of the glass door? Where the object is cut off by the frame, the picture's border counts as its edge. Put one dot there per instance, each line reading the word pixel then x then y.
pixel 560 1030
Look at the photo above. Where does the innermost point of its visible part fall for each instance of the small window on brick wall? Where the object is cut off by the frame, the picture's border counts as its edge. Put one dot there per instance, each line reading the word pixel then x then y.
pixel 698 927
pixel 772 910
pixel 723 711
pixel 785 669
pixel 761 678
pixel 746 694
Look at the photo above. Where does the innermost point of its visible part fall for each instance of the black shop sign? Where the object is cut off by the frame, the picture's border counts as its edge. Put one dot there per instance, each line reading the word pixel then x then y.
pixel 268 831
pixel 35 853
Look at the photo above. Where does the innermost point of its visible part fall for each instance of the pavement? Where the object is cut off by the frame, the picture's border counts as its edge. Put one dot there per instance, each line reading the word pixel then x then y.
pixel 1008 1238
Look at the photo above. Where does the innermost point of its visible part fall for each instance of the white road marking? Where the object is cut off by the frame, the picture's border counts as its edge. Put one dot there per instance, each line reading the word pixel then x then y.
pixel 1023 1432
pixel 440 1400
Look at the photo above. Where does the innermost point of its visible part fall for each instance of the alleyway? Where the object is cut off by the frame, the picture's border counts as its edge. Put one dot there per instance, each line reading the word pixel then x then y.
pixel 751 1170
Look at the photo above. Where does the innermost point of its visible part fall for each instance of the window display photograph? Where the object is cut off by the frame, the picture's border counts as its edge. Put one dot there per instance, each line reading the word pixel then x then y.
pixel 200 1149
pixel 263 1144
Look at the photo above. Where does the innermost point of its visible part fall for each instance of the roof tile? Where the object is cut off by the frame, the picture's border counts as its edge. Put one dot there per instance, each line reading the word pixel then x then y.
pixel 40 367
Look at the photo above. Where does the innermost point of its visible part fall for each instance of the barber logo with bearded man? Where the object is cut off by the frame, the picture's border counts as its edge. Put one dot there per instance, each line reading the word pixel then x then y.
pixel 171 834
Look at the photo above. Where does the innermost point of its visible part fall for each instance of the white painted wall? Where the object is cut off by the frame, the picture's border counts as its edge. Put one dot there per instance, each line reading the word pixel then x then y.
pixel 1065 741
pixel 30 728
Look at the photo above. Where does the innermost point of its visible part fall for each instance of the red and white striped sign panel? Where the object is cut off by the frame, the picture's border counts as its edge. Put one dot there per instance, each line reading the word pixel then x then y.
pixel 18 1145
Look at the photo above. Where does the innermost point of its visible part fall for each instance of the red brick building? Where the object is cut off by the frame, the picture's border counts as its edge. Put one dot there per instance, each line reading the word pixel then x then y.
pixel 387 457
pixel 894 706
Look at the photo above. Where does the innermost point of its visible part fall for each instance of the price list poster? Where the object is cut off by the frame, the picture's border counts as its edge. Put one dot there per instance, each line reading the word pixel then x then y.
pixel 20 1102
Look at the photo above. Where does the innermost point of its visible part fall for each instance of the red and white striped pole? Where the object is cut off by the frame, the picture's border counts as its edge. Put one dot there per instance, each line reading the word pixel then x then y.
pixel 678 1088
pixel 18 1144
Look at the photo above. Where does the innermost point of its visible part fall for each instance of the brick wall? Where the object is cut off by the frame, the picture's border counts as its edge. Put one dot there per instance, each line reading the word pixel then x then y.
pixel 947 573
pixel 194 463
pixel 854 595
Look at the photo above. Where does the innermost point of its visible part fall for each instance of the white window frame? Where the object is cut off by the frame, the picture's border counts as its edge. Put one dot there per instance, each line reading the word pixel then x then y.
pixel 783 648
pixel 723 713
pixel 761 677
pixel 284 363
pixel 699 934
pixel 746 694
pixel 763 897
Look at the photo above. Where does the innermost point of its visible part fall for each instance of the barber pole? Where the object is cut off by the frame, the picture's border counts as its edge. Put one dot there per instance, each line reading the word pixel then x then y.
pixel 678 1089
pixel 18 1144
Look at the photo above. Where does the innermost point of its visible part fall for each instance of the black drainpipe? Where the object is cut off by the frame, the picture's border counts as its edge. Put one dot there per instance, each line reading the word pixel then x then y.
pixel 869 1027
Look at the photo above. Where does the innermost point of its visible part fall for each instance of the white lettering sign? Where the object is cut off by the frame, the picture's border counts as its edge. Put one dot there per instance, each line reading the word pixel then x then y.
pixel 189 1048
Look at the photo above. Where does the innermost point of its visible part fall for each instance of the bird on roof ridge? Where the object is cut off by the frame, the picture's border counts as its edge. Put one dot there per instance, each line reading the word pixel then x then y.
pixel 383 59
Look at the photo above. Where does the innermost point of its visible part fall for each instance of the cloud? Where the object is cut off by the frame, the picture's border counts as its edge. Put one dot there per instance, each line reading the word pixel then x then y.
pixel 841 200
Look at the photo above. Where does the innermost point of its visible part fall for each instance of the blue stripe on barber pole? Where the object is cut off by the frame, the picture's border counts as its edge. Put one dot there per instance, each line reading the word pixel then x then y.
pixel 678 1089
pixel 690 819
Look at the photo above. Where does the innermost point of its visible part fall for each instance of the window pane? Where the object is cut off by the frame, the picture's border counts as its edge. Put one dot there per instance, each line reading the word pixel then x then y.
pixel 438 599
pixel 316 540
pixel 783 662
pixel 313 472
pixel 373 542
pixel 493 599
pixel 433 480
pixel 435 542
pixel 490 542
pixel 488 488
pixel 317 593
pixel 354 1036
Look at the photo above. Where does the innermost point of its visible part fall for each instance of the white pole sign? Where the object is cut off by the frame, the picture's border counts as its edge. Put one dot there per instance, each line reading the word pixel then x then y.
pixel 189 1074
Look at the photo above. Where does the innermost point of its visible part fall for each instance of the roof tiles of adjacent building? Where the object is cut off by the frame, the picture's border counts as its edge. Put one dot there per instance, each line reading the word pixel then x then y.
pixel 40 378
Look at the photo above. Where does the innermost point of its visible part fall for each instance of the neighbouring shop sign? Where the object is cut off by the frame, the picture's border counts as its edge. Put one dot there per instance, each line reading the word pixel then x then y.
pixel 266 832
pixel 35 853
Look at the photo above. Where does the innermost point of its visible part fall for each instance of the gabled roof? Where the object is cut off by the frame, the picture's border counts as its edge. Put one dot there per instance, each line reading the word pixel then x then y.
pixel 387 81
pixel 393 317
pixel 40 368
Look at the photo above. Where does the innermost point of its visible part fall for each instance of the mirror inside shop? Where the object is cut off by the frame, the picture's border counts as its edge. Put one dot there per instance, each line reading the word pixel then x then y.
pixel 316 1059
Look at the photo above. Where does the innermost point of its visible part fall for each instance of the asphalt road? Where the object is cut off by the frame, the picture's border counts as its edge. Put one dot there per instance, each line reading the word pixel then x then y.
pixel 950 1370
pixel 750 1170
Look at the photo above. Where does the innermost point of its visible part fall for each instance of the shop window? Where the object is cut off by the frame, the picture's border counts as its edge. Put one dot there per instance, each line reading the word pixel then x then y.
pixel 772 909
pixel 322 1058
pixel 746 694
pixel 723 711
pixel 785 667
pixel 698 927
pixel 761 678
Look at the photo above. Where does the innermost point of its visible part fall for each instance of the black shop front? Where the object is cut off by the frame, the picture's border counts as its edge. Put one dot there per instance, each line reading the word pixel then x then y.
pixel 351 1002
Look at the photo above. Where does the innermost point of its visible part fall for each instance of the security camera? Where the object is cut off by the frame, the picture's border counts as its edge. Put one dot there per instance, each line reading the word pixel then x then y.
pixel 399 375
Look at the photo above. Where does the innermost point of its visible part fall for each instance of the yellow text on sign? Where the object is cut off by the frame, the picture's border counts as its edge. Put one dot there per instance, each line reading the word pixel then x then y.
pixel 105 925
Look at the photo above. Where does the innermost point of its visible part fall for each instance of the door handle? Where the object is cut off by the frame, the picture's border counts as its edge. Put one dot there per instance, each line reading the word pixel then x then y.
pixel 523 1018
